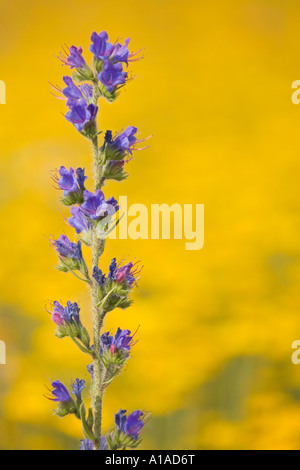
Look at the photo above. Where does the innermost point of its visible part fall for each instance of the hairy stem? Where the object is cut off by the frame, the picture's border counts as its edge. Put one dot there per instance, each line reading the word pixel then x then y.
pixel 98 314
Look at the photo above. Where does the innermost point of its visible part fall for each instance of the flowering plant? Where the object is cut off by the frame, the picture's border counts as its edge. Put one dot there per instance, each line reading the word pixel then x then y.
pixel 92 217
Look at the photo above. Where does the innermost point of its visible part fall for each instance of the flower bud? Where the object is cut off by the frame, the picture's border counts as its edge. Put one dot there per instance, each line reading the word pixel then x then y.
pixel 60 395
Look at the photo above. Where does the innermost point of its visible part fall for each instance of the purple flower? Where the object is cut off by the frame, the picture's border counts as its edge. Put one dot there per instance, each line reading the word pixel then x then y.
pixel 86 444
pixel 57 314
pixel 79 221
pixel 103 443
pixel 67 181
pixel 120 419
pixel 125 141
pixel 100 47
pixel 130 425
pixel 108 137
pixel 67 249
pixel 59 392
pixel 80 177
pixel 87 90
pixel 81 113
pixel 124 273
pixel 75 58
pixel 134 424
pixel 122 341
pixel 72 92
pixel 116 52
pixel 92 203
pixel 112 269
pixel 120 53
pixel 69 313
pixel 112 75
pixel 98 275
pixel 77 388
pixel 95 205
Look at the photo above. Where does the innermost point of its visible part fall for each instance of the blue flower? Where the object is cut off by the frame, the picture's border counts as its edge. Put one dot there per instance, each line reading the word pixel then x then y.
pixel 78 220
pixel 108 137
pixel 77 388
pixel 100 47
pixel 67 249
pixel 120 53
pixel 72 92
pixel 116 52
pixel 113 202
pixel 134 424
pixel 57 314
pixel 95 205
pixel 130 425
pixel 81 113
pixel 112 269
pixel 87 90
pixel 86 444
pixel 120 419
pixel 112 75
pixel 98 275
pixel 67 181
pixel 75 58
pixel 125 141
pixel 80 177
pixel 128 273
pixel 59 392
pixel 71 312
pixel 122 341
pixel 103 443
pixel 92 204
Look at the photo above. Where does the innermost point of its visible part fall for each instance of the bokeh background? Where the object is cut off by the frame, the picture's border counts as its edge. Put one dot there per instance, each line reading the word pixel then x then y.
pixel 213 360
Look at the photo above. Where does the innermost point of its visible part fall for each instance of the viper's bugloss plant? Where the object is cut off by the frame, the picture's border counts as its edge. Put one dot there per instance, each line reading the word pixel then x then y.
pixel 93 217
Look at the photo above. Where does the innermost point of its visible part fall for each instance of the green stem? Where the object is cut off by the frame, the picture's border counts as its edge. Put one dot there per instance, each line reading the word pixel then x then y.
pixel 98 314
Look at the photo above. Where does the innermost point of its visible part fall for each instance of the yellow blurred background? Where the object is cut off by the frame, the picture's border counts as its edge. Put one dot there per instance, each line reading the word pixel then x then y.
pixel 213 360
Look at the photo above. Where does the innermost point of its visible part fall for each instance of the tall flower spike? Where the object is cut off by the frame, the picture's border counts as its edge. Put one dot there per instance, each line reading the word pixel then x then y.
pixel 92 217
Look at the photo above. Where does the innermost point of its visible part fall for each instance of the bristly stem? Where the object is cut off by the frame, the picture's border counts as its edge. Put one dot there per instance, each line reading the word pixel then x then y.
pixel 97 250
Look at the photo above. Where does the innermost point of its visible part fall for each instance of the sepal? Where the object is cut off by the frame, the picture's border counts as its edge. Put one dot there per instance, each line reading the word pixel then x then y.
pixel 113 361
pixel 86 237
pixel 115 295
pixel 82 74
pixel 114 170
pixel 65 408
pixel 74 197
pixel 109 96
pixel 119 440
pixel 98 65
